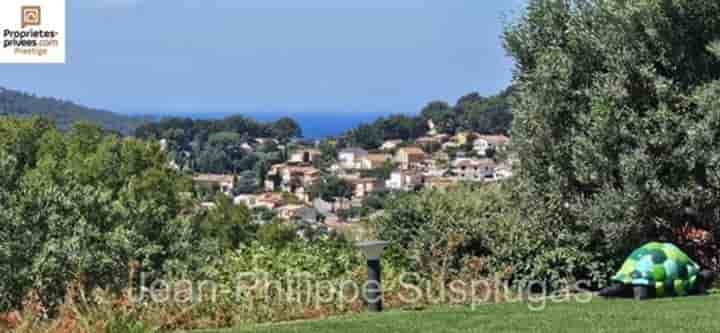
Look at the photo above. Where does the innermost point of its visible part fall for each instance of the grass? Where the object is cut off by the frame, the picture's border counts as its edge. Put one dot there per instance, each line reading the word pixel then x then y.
pixel 689 314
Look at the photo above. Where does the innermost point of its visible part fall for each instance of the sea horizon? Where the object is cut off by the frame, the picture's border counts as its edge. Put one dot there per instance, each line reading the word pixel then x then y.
pixel 314 124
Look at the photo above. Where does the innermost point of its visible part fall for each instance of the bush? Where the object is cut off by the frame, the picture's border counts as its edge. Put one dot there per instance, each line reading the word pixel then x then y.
pixel 276 233
pixel 419 225
pixel 81 206
pixel 438 232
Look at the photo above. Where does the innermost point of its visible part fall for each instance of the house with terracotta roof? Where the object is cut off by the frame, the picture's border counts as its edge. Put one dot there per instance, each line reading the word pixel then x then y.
pixel 374 161
pixel 305 155
pixel 225 183
pixel 362 186
pixel 350 158
pixel 408 156
pixel 404 180
pixel 483 143
pixel 390 144
pixel 424 140
pixel 439 182
pixel 291 178
pixel 297 212
pixel 270 200
pixel 474 169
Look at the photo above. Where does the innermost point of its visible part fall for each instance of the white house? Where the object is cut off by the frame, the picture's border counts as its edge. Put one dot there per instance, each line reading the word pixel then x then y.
pixel 305 156
pixel 291 178
pixel 404 180
pixel 409 156
pixel 225 183
pixel 474 169
pixel 484 142
pixel 374 161
pixel 390 144
pixel 299 212
pixel 362 186
pixel 351 158
pixel 267 200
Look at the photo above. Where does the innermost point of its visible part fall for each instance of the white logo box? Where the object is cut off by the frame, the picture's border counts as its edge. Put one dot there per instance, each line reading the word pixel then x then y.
pixel 35 35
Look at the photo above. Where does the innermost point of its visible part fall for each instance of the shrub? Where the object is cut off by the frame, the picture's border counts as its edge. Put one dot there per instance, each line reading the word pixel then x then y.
pixel 82 205
pixel 437 232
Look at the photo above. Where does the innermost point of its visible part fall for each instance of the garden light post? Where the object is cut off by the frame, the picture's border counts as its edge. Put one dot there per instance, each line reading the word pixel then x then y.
pixel 373 251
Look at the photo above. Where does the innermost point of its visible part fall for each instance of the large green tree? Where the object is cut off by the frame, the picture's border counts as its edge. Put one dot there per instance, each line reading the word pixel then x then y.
pixel 285 129
pixel 331 188
pixel 227 224
pixel 81 206
pixel 617 119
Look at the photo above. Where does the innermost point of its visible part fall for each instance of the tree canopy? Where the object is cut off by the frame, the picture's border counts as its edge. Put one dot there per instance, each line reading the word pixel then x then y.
pixel 85 204
pixel 617 118
pixel 472 112
pixel 216 146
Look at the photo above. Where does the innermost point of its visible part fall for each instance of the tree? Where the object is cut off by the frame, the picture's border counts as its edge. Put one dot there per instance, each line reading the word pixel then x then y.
pixel 85 203
pixel 216 146
pixel 440 113
pixel 365 136
pixel 330 188
pixel 615 122
pixel 286 128
pixel 230 225
pixel 246 182
pixel 276 233
pixel 328 153
pixel 262 167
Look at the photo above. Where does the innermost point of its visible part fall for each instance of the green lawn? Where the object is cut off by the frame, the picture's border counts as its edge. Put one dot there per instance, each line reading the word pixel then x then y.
pixel 691 314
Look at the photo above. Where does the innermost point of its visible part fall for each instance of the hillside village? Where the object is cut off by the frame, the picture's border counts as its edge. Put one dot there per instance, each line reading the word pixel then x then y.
pixel 326 192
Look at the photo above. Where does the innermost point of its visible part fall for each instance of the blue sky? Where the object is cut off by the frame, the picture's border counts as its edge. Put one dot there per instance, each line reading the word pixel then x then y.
pixel 142 56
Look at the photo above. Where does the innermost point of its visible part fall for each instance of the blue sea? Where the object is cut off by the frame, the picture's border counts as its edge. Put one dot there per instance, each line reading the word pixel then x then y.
pixel 314 125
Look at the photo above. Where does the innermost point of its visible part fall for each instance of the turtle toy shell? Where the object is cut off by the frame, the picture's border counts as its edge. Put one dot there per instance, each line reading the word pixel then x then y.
pixel 662 266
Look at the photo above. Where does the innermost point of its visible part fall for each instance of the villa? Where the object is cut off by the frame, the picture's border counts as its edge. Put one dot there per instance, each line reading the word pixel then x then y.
pixel 351 158
pixel 409 156
pixel 474 169
pixel 225 183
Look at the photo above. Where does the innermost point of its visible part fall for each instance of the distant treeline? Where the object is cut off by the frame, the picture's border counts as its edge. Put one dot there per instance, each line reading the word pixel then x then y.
pixel 63 113
pixel 185 130
pixel 221 145
pixel 472 112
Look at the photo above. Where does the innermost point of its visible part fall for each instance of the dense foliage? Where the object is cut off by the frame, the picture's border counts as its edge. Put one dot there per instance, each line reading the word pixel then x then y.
pixel 64 113
pixel 472 112
pixel 221 146
pixel 83 206
pixel 616 118
pixel 83 209
pixel 330 188
pixel 480 227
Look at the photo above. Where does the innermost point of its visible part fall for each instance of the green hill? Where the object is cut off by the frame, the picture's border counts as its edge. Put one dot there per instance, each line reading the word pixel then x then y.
pixel 64 113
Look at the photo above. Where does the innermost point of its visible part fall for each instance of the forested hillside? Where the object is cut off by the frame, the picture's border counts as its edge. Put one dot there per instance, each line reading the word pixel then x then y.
pixel 472 112
pixel 64 113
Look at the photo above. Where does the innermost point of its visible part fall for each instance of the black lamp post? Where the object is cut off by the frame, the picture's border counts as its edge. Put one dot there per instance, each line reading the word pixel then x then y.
pixel 373 251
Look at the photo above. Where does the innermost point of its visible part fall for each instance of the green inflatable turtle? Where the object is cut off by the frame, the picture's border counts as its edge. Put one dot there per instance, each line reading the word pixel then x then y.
pixel 659 270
